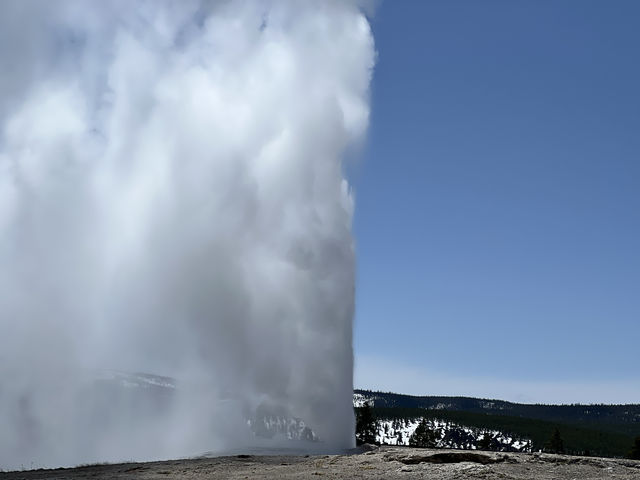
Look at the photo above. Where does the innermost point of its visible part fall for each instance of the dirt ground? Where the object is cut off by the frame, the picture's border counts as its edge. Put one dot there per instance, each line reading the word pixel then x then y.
pixel 378 463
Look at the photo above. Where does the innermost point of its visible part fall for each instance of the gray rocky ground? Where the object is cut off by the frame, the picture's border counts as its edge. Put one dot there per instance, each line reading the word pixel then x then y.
pixel 378 463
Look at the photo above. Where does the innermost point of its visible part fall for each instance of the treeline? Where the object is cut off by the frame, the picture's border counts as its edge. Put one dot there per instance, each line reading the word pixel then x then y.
pixel 623 419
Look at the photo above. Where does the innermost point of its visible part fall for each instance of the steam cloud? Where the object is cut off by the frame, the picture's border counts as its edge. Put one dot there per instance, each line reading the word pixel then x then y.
pixel 172 200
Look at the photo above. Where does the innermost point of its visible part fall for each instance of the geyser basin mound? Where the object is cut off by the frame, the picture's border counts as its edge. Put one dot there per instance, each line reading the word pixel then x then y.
pixel 172 200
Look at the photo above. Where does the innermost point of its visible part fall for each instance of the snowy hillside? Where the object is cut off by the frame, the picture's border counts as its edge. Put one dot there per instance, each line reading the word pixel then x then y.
pixel 360 399
pixel 450 435
pixel 281 427
pixel 135 380
pixel 267 422
pixel 398 431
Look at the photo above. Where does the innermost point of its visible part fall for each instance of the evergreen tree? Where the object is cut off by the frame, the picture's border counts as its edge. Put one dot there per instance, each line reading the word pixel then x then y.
pixel 307 434
pixel 423 436
pixel 634 453
pixel 555 443
pixel 366 425
pixel 486 441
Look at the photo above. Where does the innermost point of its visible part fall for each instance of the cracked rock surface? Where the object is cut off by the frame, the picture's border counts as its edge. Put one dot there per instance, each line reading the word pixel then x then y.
pixel 377 463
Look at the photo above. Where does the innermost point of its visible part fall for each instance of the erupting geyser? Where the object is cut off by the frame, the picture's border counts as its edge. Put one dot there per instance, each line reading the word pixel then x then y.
pixel 172 201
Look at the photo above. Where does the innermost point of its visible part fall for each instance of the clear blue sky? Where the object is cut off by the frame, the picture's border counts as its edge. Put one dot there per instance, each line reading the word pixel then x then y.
pixel 498 203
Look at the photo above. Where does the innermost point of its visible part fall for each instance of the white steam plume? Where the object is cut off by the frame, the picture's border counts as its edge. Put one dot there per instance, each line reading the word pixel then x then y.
pixel 172 200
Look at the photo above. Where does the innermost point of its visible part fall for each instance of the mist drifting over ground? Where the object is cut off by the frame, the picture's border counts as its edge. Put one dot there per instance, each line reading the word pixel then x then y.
pixel 172 201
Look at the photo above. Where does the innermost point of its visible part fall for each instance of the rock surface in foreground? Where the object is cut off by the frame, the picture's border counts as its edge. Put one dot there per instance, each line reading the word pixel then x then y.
pixel 378 463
